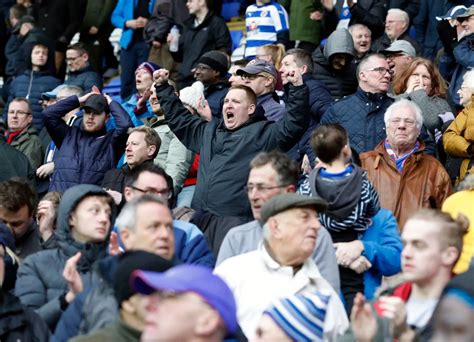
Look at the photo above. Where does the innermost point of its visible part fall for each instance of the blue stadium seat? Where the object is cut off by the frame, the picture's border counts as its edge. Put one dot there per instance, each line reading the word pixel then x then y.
pixel 236 36
pixel 230 10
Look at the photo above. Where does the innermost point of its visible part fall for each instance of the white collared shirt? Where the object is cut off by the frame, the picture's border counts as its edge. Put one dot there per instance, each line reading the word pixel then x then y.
pixel 256 280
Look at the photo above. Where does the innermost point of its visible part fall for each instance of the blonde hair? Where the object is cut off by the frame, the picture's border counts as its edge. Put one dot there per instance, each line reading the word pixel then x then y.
pixel 276 51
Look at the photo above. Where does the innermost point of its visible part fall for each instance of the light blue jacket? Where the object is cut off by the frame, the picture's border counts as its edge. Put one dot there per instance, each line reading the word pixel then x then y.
pixel 123 12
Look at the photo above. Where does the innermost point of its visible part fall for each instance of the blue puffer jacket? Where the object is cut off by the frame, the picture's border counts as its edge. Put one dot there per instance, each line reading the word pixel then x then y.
pixel 123 12
pixel 31 84
pixel 464 54
pixel 83 158
pixel 361 115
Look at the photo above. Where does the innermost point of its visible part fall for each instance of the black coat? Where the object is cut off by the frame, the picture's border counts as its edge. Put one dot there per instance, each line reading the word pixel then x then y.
pixel 211 34
pixel 384 42
pixel 18 323
pixel 14 163
pixel 225 155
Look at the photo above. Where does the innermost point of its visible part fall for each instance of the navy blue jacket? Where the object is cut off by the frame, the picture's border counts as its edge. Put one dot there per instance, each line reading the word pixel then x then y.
pixel 31 84
pixel 214 95
pixel 362 116
pixel 83 158
pixel 85 79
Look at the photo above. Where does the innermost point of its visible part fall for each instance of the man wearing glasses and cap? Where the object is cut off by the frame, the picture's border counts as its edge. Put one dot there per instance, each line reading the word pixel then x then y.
pixel 86 152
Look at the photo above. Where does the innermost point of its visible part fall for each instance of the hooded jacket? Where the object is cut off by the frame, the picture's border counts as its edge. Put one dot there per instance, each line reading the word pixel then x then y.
pixel 40 282
pixel 342 82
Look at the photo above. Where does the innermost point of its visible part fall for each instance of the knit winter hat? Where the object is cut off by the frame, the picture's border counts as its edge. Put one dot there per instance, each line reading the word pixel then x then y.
pixel 192 95
pixel 216 60
pixel 148 66
pixel 301 316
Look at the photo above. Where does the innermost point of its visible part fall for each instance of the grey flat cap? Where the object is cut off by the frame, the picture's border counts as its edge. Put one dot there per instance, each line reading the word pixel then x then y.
pixel 287 201
pixel 400 46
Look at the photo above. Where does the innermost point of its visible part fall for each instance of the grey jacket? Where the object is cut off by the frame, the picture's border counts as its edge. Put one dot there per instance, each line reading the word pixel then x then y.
pixel 40 281
pixel 431 107
pixel 173 156
pixel 245 238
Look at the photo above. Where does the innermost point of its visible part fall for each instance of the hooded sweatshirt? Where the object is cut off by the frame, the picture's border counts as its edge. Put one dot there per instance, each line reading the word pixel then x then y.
pixel 40 282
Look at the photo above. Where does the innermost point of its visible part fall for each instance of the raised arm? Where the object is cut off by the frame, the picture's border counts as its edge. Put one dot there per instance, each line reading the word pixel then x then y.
pixel 53 121
pixel 187 127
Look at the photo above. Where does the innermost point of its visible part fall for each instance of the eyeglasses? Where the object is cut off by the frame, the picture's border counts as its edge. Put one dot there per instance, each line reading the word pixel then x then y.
pixel 381 70
pixel 18 112
pixel 261 188
pixel 72 59
pixel 165 193
pixel 407 122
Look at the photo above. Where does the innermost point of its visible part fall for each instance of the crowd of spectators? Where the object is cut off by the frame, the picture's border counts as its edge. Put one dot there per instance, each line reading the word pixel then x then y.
pixel 310 180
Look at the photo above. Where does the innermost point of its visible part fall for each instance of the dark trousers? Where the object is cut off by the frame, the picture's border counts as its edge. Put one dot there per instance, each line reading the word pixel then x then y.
pixel 130 59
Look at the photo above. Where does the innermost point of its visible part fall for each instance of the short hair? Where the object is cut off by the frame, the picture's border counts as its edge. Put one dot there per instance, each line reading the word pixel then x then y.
pixel 276 51
pixel 358 26
pixel 327 141
pixel 79 47
pixel 128 215
pixel 15 193
pixel 17 11
pixel 366 60
pixel 25 100
pixel 302 57
pixel 241 62
pixel 135 173
pixel 469 79
pixel 403 103
pixel 286 168
pixel 250 94
pixel 71 90
pixel 401 13
pixel 438 85
pixel 151 137
pixel 452 230
pixel 466 184
pixel 54 197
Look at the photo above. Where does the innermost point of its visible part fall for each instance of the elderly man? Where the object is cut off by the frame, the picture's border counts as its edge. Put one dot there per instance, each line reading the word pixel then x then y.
pixel 21 134
pixel 397 24
pixel 362 38
pixel 261 77
pixel 282 265
pixel 362 114
pixel 399 56
pixel 271 174
pixel 227 145
pixel 406 178
pixel 186 303
pixel 80 73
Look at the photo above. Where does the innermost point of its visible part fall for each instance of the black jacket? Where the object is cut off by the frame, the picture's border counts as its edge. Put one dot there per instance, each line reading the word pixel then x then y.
pixel 14 163
pixel 384 42
pixel 85 79
pixel 18 323
pixel 225 155
pixel 215 94
pixel 211 34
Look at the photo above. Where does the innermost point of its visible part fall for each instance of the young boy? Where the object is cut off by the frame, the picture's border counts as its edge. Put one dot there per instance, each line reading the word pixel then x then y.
pixel 351 197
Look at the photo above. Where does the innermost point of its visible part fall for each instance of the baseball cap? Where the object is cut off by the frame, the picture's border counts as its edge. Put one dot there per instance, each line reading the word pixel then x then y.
pixel 53 93
pixel 466 13
pixel 288 201
pixel 97 103
pixel 257 66
pixel 191 278
pixel 452 13
pixel 400 46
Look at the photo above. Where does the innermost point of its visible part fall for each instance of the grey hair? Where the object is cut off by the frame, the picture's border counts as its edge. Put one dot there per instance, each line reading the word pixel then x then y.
pixel 128 216
pixel 469 79
pixel 360 26
pixel 467 183
pixel 404 103
pixel 400 13
pixel 266 231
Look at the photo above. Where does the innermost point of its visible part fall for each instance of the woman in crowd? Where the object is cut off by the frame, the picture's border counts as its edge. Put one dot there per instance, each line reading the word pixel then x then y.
pixel 422 83
pixel 458 139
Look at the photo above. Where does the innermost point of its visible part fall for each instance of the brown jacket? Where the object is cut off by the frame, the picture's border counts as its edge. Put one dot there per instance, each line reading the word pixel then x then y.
pixel 424 183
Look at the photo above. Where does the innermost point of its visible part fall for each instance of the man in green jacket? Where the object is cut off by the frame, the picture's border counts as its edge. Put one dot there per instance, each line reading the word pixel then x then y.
pixel 21 134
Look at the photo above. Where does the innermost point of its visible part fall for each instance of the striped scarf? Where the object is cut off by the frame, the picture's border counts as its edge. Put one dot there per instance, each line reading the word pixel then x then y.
pixel 399 160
